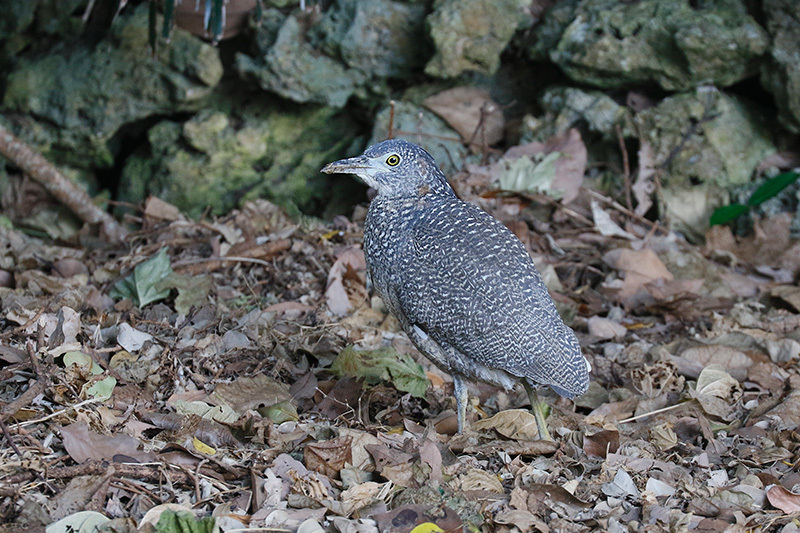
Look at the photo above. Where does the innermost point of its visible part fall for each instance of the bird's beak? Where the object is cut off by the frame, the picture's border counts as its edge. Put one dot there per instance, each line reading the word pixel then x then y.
pixel 347 166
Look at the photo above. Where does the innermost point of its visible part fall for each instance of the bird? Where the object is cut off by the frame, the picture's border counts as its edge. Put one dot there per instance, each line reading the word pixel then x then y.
pixel 461 284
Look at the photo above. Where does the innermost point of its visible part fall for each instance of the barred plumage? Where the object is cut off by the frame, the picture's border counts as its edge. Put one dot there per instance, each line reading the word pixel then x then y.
pixel 462 286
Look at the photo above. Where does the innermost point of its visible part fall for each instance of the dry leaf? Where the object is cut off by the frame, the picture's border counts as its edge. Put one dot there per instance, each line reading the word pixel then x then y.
pixel 476 479
pixel 462 108
pixel 346 289
pixel 604 328
pixel 782 499
pixel 601 443
pixel 517 424
pixel 330 456
pixel 83 445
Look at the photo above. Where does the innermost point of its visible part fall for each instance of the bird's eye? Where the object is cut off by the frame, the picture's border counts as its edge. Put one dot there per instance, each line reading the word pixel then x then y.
pixel 393 160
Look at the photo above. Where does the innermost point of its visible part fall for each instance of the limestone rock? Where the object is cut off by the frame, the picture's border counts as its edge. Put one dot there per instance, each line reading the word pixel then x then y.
pixel 217 159
pixel 76 99
pixel 610 44
pixel 780 74
pixel 471 34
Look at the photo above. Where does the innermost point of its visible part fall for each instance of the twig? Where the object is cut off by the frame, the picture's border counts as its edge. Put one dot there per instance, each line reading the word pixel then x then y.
pixel 57 413
pixel 391 119
pixel 651 413
pixel 626 167
pixel 619 207
pixel 33 391
pixel 35 318
pixel 58 185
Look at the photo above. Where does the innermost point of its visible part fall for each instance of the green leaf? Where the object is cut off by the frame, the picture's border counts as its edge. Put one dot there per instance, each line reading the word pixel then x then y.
pixel 280 412
pixel 525 174
pixel 80 522
pixel 771 188
pixel 726 213
pixel 192 290
pixel 142 287
pixel 185 522
pixel 382 365
pixel 102 389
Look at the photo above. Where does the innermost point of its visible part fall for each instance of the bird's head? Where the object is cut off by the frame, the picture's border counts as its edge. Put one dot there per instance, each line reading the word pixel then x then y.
pixel 395 168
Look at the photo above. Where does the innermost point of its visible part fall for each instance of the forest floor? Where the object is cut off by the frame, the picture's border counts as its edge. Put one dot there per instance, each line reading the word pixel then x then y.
pixel 238 368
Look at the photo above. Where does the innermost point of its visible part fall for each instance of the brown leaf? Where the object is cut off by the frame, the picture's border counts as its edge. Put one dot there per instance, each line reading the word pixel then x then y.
pixel 157 210
pixel 346 289
pixel 788 293
pixel 639 267
pixel 517 424
pixel 604 328
pixel 329 457
pixel 476 479
pixel 83 445
pixel 601 443
pixel 246 393
pixel 462 107
pixel 782 499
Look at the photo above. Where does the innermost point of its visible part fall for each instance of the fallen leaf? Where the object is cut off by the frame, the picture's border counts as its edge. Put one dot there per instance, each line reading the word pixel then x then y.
pixel 246 393
pixel 782 499
pixel 345 289
pixel 604 328
pixel 141 286
pixel 382 365
pixel 555 167
pixel 604 224
pixel 476 479
pixel 517 424
pixel 83 445
pixel 330 456
pixel 466 109
pixel 601 443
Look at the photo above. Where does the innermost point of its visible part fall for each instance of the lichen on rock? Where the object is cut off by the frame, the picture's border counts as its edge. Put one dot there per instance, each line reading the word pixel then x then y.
pixel 471 34
pixel 610 44
pixel 77 98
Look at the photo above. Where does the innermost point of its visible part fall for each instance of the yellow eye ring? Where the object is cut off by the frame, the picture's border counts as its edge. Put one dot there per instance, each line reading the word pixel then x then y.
pixel 393 160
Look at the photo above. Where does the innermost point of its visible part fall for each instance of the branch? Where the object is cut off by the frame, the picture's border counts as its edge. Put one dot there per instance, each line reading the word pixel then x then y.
pixel 58 185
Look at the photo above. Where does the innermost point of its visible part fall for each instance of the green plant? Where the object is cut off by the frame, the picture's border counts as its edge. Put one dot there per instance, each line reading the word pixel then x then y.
pixel 768 189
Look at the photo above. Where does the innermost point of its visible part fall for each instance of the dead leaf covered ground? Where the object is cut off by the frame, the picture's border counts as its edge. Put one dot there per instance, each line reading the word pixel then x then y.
pixel 238 370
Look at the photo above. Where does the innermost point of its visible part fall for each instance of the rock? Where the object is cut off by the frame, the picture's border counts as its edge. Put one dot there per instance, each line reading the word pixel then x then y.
pixel 707 143
pixel 608 44
pixel 780 74
pixel 76 98
pixel 471 34
pixel 217 159
pixel 381 38
pixel 568 107
pixel 293 68
pixel 16 17
pixel 424 128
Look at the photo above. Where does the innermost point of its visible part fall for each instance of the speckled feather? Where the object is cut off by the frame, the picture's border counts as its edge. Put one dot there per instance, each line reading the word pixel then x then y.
pixel 461 284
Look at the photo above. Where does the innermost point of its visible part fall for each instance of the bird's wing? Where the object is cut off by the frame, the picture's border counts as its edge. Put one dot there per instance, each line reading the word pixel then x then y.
pixel 471 284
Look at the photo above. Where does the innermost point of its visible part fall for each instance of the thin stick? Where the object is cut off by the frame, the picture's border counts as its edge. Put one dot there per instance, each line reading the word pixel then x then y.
pixel 651 413
pixel 626 167
pixel 391 119
pixel 56 413
pixel 619 207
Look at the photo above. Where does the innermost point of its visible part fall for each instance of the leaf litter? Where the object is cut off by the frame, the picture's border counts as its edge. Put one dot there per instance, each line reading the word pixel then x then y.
pixel 236 374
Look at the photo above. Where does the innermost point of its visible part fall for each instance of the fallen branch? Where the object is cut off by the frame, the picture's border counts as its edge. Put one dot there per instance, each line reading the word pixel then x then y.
pixel 58 185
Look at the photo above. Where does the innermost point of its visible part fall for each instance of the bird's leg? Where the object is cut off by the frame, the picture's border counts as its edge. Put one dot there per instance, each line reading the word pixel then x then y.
pixel 462 397
pixel 538 408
